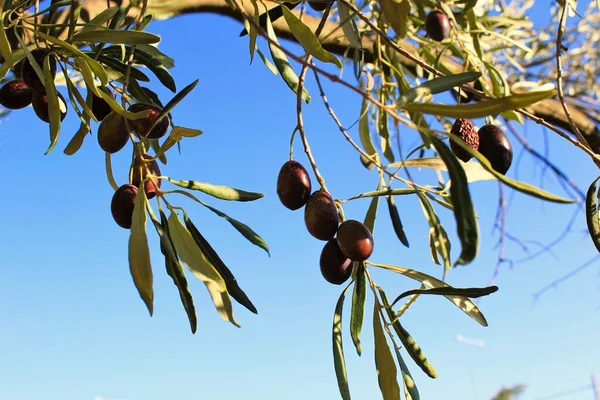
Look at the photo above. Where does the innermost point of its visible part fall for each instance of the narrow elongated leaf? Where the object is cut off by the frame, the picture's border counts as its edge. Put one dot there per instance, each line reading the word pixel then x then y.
pixel 438 85
pixel 116 37
pixel 100 19
pixel 191 255
pixel 54 106
pixel 5 48
pixel 474 171
pixel 74 92
pixel 591 213
pixel 95 66
pixel 438 238
pixel 363 129
pixel 307 38
pixel 218 191
pixel 410 388
pixel 232 286
pixel 242 228
pixel 372 214
pixel 172 103
pixel 396 12
pixel 175 270
pixel 412 348
pixel 154 52
pixel 384 192
pixel 517 185
pixel 349 26
pixel 139 253
pixel 384 134
pixel 462 302
pixel 283 65
pixel 481 109
pixel 339 361
pixel 121 67
pixel 450 291
pixel 77 139
pixel 384 361
pixel 359 297
pixel 466 221
pixel 396 221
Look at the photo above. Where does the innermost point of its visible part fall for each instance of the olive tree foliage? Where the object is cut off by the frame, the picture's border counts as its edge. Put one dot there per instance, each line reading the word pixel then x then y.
pixel 495 62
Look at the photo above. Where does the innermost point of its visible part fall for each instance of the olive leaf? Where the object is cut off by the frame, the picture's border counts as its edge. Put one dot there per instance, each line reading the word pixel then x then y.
pixel 438 85
pixel 384 361
pixel 307 39
pixel 372 213
pixel 218 191
pixel 349 26
pixel 359 296
pixel 232 286
pixel 339 361
pixel 115 37
pixel 396 12
pixel 396 221
pixel 452 291
pixel 54 106
pixel 462 302
pixel 410 388
pixel 191 255
pixel 139 253
pixel 438 238
pixel 172 103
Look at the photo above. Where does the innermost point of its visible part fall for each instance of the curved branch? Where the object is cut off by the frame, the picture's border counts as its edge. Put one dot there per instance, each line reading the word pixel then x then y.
pixel 334 41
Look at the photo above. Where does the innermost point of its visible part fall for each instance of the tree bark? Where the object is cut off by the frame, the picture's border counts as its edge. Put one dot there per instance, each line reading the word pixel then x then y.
pixel 334 41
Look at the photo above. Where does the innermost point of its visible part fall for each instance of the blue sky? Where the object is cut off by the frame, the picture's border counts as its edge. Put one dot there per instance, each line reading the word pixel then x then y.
pixel 73 327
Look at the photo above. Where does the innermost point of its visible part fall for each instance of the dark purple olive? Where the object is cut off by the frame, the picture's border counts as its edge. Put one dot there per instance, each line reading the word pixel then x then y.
pixel 437 25
pixel 28 73
pixel 15 94
pixel 141 126
pixel 293 185
pixel 496 147
pixel 123 204
pixel 321 215
pixel 140 172
pixel 336 268
pixel 39 101
pixel 355 240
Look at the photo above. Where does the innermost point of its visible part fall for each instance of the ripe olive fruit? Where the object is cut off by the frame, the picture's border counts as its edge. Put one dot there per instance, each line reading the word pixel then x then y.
pixel 122 205
pixel 321 215
pixel 100 107
pixel 15 94
pixel 437 25
pixel 28 73
pixel 39 101
pixel 112 133
pixel 355 240
pixel 336 268
pixel 293 185
pixel 318 5
pixel 140 172
pixel 464 129
pixel 141 126
pixel 496 147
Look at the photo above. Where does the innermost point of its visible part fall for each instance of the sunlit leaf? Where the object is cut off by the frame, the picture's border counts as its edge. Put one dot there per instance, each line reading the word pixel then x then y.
pixel 384 361
pixel 338 348
pixel 438 85
pixel 396 12
pixel 307 39
pixel 116 37
pixel 466 220
pixel 191 255
pixel 349 26
pixel 232 286
pixel 218 191
pixel 474 171
pixel 139 253
pixel 283 65
pixel 481 109
pixel 359 297
pixel 450 291
pixel 461 302
pixel 438 238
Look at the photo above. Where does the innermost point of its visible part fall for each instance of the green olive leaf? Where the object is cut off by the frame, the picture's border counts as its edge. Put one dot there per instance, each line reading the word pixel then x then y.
pixel 100 19
pixel 591 213
pixel 384 361
pixel 490 107
pixel 462 302
pixel 396 221
pixel 339 361
pixel 116 37
pixel 410 388
pixel 172 103
pixel 54 106
pixel 475 172
pixel 363 129
pixel 466 220
pixel 438 238
pixel 450 291
pixel 282 64
pixel 218 191
pixel 349 26
pixel 412 348
pixel 359 296
pixel 438 85
pixel 396 12
pixel 139 253
pixel 232 286
pixel 307 39
pixel 5 48
pixel 191 255
pixel 372 213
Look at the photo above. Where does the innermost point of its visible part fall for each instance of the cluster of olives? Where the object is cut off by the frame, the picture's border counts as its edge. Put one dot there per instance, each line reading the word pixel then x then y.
pixel 354 241
pixel 112 137
pixel 489 140
pixel 29 89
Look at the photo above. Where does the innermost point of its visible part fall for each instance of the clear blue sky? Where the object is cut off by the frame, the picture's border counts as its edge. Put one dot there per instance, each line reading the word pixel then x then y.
pixel 72 326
